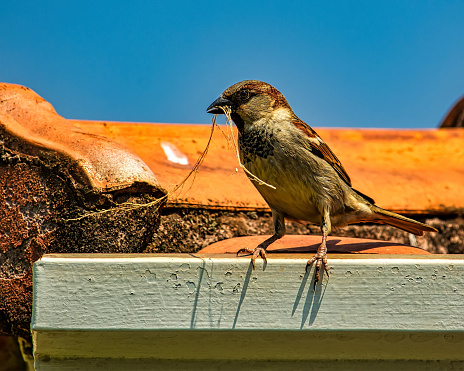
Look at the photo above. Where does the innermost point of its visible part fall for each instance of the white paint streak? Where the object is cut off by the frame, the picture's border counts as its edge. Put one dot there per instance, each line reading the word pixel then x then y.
pixel 174 154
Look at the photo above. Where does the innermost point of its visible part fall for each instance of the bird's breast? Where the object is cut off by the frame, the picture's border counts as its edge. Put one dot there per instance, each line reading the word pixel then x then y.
pixel 304 184
pixel 256 143
pixel 291 195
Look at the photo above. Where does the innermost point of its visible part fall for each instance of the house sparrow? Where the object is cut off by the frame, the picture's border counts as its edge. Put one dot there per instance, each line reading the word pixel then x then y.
pixel 310 182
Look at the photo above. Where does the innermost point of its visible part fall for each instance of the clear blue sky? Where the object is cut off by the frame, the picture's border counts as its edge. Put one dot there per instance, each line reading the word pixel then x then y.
pixel 339 63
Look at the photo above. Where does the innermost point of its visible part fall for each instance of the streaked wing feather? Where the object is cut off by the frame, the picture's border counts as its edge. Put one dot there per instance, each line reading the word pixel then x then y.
pixel 319 148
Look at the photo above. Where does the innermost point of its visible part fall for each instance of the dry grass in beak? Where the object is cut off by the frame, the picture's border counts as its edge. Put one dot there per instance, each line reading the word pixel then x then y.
pixel 126 206
pixel 231 133
pixel 159 201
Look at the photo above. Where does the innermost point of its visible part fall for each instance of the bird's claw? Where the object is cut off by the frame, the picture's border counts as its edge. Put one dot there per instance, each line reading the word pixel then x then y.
pixel 257 251
pixel 321 260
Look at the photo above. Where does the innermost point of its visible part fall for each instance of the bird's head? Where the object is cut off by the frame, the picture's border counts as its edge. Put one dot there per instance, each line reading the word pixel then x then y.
pixel 250 101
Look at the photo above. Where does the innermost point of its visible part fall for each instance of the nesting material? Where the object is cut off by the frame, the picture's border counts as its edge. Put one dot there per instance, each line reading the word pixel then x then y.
pixel 229 121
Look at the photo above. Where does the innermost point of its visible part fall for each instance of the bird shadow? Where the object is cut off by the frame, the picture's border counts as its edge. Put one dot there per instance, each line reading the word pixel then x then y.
pixel 313 299
pixel 197 294
pixel 332 246
pixel 243 293
pixel 315 292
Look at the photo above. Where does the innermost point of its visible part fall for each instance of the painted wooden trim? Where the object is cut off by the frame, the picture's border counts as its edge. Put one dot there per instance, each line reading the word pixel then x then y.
pixel 217 307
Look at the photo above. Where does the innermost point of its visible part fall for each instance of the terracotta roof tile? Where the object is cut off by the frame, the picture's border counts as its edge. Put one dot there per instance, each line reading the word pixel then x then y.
pixel 31 125
pixel 309 244
pixel 412 171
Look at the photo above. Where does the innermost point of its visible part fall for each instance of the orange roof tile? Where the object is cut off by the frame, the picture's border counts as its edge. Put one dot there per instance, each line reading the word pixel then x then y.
pixel 412 171
pixel 29 121
pixel 309 244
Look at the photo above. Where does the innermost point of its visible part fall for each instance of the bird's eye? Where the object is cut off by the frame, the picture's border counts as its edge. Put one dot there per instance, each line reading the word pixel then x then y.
pixel 244 94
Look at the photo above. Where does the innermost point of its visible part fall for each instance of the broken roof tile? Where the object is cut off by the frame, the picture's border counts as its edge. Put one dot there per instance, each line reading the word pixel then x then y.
pixel 30 125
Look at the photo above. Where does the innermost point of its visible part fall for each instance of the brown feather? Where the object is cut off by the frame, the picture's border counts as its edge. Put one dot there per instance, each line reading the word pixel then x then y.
pixel 323 149
pixel 401 222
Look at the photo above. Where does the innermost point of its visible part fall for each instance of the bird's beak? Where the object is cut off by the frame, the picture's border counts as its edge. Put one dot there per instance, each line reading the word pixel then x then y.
pixel 220 102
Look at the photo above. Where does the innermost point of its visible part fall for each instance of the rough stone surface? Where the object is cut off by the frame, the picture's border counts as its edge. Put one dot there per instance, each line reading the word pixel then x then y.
pixel 51 174
pixel 191 230
pixel 35 208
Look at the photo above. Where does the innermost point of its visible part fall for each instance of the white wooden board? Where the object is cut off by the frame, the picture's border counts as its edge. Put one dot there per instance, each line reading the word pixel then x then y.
pixel 217 307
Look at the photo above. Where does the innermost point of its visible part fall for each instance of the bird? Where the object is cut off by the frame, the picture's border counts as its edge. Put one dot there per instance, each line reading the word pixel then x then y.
pixel 304 179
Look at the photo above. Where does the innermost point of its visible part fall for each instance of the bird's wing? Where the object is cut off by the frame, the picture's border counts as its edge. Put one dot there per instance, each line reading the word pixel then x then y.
pixel 322 150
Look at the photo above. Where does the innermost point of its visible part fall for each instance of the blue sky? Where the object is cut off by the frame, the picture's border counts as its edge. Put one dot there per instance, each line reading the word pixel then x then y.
pixel 397 64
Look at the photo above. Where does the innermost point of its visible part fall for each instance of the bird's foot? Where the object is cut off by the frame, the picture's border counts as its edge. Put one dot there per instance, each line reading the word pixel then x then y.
pixel 321 260
pixel 257 251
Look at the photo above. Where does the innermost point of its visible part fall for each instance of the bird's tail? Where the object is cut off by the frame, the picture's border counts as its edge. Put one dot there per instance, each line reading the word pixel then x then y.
pixel 399 221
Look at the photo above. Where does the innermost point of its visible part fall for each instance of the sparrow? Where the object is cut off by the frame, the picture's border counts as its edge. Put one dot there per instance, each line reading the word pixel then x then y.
pixel 309 182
